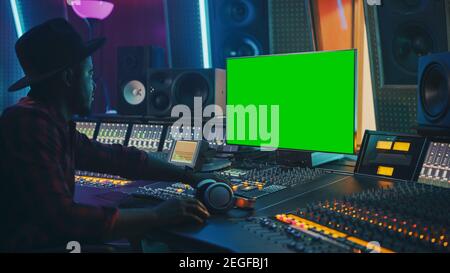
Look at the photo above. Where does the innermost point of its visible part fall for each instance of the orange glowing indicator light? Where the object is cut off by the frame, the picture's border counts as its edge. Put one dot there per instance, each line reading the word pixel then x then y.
pixel 384 145
pixel 402 146
pixel 386 171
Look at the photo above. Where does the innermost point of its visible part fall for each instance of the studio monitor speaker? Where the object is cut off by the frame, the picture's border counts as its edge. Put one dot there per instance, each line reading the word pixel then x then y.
pixel 238 28
pixel 170 87
pixel 399 33
pixel 433 107
pixel 184 33
pixel 133 64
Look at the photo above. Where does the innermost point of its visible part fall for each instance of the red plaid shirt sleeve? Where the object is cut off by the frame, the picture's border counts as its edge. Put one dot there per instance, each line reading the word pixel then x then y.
pixel 39 164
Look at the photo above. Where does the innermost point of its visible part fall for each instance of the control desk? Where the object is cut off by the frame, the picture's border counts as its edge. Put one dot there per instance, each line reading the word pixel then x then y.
pixel 397 198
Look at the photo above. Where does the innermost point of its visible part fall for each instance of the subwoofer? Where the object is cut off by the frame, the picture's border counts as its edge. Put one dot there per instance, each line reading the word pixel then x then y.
pixel 171 87
pixel 133 65
pixel 433 107
pixel 399 33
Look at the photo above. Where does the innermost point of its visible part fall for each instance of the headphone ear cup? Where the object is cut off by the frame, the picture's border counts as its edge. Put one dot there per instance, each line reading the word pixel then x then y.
pixel 216 196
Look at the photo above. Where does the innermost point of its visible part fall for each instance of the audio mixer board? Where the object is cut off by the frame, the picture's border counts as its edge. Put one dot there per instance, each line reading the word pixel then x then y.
pixel 397 200
pixel 155 138
pixel 266 179
pixel 176 133
pixel 408 217
pixel 248 183
pixel 87 128
pixel 436 167
pixel 112 133
pixel 146 137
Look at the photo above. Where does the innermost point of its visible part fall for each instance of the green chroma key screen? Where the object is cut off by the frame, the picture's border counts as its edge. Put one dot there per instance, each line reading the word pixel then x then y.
pixel 315 92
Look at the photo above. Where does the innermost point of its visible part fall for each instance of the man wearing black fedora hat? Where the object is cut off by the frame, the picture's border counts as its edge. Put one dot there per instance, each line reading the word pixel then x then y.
pixel 40 150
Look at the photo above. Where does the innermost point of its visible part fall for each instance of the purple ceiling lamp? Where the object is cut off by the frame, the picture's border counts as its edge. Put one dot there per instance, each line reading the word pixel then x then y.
pixel 92 9
pixel 92 12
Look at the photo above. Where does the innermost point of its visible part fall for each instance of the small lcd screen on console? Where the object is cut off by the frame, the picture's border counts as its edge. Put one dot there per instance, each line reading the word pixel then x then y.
pixel 185 153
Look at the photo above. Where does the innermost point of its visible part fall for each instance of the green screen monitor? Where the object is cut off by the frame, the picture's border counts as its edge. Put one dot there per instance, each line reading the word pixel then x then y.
pixel 301 101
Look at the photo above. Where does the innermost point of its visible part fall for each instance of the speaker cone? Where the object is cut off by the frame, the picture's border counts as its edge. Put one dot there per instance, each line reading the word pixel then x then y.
pixel 237 12
pixel 134 92
pixel 434 89
pixel 240 46
pixel 190 85
pixel 160 80
pixel 410 43
pixel 160 102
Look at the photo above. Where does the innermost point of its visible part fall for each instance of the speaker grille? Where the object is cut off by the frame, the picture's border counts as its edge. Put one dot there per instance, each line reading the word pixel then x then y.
pixel 290 26
pixel 184 33
pixel 190 85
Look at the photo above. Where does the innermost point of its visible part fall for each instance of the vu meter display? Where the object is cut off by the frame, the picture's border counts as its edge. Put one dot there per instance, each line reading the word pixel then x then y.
pixel 146 137
pixel 436 166
pixel 185 152
pixel 112 133
pixel 390 155
pixel 87 128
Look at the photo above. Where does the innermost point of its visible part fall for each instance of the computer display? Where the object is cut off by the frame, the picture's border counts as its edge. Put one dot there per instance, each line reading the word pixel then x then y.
pixel 302 101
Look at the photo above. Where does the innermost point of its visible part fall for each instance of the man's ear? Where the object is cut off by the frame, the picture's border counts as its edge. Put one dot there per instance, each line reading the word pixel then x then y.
pixel 67 77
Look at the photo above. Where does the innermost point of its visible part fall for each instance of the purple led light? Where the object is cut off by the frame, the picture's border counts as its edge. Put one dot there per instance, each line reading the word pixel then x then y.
pixel 92 9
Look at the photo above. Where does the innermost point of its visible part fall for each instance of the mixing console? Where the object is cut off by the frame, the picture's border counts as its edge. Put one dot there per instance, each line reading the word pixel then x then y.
pixel 171 191
pixel 146 137
pixel 266 179
pixel 436 166
pixel 408 217
pixel 97 180
pixel 87 128
pixel 112 133
pixel 183 134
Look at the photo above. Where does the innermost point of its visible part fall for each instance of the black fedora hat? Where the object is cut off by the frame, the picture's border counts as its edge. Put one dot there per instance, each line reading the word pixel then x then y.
pixel 50 48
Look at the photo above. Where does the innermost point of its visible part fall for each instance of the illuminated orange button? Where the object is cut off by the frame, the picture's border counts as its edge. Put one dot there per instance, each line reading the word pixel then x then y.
pixel 384 145
pixel 402 146
pixel 386 171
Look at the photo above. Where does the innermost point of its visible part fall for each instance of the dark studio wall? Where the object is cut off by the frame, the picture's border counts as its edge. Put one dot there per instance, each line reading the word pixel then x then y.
pixel 32 13
pixel 132 23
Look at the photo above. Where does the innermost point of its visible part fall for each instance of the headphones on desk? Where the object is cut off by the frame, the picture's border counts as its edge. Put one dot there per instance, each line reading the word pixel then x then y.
pixel 217 197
